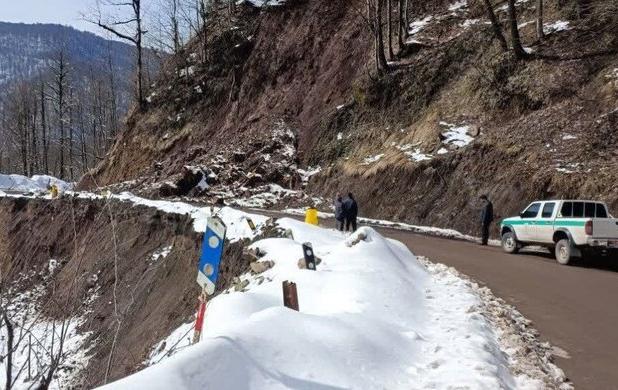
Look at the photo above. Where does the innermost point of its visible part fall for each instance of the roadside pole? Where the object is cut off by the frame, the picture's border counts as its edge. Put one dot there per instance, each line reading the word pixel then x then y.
pixel 208 269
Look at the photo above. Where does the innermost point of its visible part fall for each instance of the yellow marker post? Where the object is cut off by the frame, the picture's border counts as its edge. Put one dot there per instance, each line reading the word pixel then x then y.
pixel 311 216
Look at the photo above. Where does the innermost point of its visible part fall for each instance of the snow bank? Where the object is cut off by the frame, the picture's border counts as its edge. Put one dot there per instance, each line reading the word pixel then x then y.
pixel 36 183
pixel 371 317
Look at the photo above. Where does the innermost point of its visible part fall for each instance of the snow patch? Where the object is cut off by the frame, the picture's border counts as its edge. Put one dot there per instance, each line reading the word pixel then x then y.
pixel 418 25
pixel 264 3
pixel 161 254
pixel 456 136
pixel 418 156
pixel 458 5
pixel 372 159
pixel 560 25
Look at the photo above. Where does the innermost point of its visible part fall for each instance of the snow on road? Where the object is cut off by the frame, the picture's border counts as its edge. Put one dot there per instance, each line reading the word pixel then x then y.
pixel 371 317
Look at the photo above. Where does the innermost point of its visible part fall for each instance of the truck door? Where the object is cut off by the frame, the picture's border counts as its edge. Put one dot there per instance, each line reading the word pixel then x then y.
pixel 528 217
pixel 544 226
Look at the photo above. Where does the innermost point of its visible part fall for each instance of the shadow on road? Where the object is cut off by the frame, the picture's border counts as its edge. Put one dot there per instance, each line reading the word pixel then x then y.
pixel 603 263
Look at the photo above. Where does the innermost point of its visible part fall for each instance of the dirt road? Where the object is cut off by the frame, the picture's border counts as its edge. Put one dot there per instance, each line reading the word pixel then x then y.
pixel 573 307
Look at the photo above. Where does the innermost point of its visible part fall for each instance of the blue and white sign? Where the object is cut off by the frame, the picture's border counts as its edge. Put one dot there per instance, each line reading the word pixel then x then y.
pixel 212 249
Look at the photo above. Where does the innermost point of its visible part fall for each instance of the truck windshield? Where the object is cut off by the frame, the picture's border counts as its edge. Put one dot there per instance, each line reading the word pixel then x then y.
pixel 532 211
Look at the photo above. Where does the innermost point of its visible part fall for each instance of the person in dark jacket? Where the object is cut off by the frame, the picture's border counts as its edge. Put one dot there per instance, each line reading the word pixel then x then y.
pixel 487 217
pixel 350 212
pixel 339 215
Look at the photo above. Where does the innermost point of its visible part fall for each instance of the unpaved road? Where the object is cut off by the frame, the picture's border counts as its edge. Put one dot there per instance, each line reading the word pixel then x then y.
pixel 575 308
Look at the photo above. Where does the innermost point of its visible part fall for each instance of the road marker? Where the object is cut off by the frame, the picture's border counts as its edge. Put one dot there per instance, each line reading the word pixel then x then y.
pixel 208 268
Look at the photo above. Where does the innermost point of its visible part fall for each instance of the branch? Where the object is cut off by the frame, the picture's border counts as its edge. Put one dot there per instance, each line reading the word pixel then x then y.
pixel 115 32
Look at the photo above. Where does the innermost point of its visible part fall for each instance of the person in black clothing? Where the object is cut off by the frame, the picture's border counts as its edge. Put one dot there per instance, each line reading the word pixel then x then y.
pixel 487 217
pixel 350 212
pixel 339 214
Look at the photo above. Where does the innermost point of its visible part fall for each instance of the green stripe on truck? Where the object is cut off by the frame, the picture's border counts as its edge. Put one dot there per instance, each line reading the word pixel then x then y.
pixel 556 223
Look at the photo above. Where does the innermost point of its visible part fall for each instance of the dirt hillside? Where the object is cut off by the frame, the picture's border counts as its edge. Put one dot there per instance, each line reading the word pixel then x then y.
pixel 455 116
pixel 129 271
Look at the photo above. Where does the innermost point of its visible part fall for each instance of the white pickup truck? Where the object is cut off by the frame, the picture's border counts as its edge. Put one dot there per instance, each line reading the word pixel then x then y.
pixel 571 228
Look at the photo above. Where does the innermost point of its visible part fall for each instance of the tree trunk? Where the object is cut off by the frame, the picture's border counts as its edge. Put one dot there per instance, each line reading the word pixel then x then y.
pixel 34 139
pixel 406 19
pixel 71 127
pixel 389 29
pixel 380 37
pixel 518 49
pixel 402 27
pixel 9 348
pixel 45 157
pixel 540 34
pixel 140 60
pixel 496 25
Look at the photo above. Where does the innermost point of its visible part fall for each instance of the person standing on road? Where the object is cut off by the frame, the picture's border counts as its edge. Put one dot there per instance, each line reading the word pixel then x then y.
pixel 487 217
pixel 339 215
pixel 350 212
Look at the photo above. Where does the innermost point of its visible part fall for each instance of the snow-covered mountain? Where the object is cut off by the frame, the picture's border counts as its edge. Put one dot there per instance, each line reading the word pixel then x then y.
pixel 26 50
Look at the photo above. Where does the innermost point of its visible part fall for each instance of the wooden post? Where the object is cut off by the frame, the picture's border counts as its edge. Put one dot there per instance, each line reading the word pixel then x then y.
pixel 290 295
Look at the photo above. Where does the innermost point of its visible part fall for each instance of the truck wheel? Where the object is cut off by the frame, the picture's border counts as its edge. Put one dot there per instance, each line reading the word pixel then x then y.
pixel 563 252
pixel 509 243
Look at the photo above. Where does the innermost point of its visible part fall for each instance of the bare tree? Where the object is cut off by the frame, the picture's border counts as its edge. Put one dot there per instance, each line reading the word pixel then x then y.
pixel 389 29
pixel 135 36
pixel 59 88
pixel 540 34
pixel 374 13
pixel 496 25
pixel 518 49
pixel 4 318
pixel 403 24
pixel 44 138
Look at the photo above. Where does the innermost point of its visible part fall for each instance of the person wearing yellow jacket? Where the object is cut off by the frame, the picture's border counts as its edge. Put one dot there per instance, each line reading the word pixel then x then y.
pixel 311 216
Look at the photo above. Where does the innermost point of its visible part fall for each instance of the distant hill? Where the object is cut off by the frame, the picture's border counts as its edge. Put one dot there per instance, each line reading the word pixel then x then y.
pixel 26 49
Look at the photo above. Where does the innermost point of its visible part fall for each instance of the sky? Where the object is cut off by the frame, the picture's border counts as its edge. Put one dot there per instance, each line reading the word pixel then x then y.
pixel 67 12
